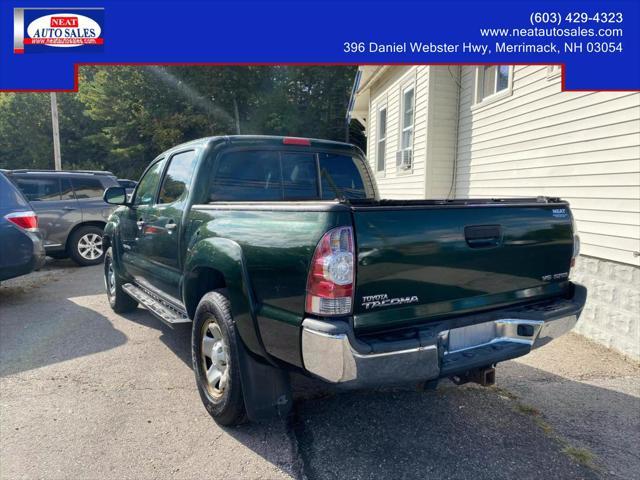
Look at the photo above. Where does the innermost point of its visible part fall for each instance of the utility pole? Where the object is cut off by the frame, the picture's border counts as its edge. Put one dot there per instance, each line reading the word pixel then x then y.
pixel 237 115
pixel 57 160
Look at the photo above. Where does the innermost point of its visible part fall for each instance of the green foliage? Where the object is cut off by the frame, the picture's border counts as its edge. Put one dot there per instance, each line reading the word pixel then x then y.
pixel 122 117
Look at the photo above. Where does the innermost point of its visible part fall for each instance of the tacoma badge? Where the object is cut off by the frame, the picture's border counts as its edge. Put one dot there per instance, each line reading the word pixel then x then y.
pixel 382 300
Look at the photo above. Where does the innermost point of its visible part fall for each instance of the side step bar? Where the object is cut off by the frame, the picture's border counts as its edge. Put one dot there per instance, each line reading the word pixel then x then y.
pixel 165 311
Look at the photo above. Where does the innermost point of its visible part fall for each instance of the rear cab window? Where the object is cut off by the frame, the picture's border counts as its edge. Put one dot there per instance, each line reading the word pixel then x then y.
pixel 273 175
pixel 341 178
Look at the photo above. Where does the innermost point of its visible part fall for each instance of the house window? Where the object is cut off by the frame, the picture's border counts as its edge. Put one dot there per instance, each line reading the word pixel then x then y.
pixel 404 156
pixel 492 79
pixel 408 97
pixel 382 137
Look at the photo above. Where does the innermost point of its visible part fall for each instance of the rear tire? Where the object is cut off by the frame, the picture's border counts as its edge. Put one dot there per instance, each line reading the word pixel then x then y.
pixel 215 354
pixel 119 301
pixel 85 246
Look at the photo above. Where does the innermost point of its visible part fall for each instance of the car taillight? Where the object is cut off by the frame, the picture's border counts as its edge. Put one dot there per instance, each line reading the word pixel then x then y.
pixel 576 242
pixel 296 141
pixel 26 220
pixel 576 249
pixel 331 276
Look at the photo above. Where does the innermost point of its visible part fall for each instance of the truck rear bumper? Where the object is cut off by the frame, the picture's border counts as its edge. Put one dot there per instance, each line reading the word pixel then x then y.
pixel 331 351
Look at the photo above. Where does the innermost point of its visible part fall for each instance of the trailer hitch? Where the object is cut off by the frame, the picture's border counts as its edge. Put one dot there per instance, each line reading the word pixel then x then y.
pixel 485 376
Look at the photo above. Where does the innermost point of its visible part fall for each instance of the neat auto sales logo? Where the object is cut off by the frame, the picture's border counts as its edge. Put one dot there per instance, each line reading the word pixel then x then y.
pixel 38 29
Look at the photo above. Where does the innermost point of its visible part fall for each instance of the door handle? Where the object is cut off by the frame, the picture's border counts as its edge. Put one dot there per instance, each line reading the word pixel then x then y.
pixel 170 225
pixel 483 236
pixel 140 223
pixel 69 208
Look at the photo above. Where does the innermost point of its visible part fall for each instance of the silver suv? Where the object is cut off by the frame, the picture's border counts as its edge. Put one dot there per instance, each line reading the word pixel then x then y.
pixel 70 210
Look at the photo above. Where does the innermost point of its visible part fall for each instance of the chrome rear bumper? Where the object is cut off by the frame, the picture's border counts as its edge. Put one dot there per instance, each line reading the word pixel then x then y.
pixel 332 352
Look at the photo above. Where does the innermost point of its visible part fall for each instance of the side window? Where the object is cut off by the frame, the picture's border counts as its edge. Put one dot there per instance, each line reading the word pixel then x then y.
pixel 299 176
pixel 66 192
pixel 176 182
pixel 146 191
pixel 87 187
pixel 249 175
pixel 340 177
pixel 39 189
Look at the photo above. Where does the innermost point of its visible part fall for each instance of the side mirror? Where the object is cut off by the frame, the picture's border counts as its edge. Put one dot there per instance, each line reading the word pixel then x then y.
pixel 115 196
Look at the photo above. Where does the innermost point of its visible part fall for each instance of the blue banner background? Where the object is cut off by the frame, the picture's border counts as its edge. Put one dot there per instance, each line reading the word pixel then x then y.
pixel 244 32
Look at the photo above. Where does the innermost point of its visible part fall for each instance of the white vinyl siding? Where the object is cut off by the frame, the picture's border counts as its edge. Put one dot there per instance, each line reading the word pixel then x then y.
pixel 581 146
pixel 388 91
pixel 443 121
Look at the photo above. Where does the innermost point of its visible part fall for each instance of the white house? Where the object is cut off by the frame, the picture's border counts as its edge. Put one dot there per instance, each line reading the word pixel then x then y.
pixel 509 131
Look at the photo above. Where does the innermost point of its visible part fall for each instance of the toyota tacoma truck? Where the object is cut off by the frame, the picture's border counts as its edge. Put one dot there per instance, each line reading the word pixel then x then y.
pixel 283 258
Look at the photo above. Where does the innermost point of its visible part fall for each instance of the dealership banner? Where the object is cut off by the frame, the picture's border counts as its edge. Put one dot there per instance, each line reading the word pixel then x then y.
pixel 42 44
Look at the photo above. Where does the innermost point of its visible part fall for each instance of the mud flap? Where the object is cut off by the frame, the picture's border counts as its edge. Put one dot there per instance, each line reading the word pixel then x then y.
pixel 265 388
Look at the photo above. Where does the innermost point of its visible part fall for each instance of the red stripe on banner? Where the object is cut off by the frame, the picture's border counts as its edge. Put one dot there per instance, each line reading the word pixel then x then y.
pixel 18 50
pixel 61 41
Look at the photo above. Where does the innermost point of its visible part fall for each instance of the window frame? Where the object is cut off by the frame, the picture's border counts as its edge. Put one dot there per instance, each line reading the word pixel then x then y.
pixel 404 87
pixel 382 107
pixel 403 114
pixel 164 175
pixel 479 99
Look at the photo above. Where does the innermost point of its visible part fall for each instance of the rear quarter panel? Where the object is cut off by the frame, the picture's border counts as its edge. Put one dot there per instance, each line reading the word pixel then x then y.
pixel 276 248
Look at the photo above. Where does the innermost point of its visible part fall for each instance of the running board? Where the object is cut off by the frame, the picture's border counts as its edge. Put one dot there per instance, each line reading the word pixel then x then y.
pixel 162 309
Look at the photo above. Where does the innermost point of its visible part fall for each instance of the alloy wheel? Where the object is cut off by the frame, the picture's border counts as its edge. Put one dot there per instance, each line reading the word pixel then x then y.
pixel 90 246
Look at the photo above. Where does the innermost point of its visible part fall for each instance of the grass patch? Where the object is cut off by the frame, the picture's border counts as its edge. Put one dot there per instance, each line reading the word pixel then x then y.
pixel 504 393
pixel 580 455
pixel 528 409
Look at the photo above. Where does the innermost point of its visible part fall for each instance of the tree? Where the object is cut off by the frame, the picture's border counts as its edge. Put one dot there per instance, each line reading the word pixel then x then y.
pixel 123 117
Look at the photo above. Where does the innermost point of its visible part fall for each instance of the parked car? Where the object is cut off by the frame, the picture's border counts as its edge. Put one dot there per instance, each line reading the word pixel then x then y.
pixel 70 209
pixel 280 253
pixel 129 185
pixel 21 244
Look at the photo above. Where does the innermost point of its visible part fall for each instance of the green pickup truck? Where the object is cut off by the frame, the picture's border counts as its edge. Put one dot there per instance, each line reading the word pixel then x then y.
pixel 282 256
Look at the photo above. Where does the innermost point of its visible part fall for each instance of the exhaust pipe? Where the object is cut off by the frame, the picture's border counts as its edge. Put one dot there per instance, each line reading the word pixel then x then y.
pixel 482 376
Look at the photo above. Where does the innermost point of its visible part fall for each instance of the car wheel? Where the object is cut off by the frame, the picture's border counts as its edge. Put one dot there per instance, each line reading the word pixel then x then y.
pixel 215 355
pixel 119 301
pixel 85 246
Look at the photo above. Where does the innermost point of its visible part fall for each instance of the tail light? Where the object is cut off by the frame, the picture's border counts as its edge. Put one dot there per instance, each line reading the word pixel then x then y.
pixel 296 141
pixel 576 242
pixel 26 220
pixel 576 249
pixel 331 276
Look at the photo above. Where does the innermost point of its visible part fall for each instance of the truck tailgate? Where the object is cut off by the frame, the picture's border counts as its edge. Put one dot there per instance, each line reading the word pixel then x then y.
pixel 420 261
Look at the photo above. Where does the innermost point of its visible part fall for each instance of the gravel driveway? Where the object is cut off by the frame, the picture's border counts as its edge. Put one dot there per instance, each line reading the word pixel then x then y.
pixel 86 393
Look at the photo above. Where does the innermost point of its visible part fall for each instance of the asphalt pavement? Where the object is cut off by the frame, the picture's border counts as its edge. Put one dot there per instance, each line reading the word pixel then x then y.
pixel 89 394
